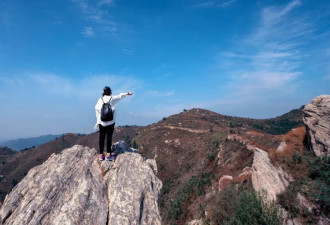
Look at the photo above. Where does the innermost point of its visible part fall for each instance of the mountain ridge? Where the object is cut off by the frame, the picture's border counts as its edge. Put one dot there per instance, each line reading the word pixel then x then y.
pixel 202 153
pixel 15 167
pixel 26 143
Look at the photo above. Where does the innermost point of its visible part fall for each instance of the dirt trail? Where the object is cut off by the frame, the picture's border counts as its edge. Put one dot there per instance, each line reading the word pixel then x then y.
pixel 198 131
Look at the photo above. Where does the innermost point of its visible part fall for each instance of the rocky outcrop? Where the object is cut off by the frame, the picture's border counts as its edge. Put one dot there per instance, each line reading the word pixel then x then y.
pixel 293 222
pixel 281 147
pixel 133 191
pixel 196 222
pixel 245 175
pixel 323 221
pixel 317 122
pixel 73 187
pixel 224 182
pixel 266 177
pixel 304 204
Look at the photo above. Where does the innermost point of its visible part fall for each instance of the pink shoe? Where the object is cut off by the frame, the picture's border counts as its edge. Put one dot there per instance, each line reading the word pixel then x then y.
pixel 110 158
pixel 101 158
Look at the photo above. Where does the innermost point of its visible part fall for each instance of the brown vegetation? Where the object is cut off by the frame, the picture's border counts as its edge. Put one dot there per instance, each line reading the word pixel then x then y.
pixel 192 151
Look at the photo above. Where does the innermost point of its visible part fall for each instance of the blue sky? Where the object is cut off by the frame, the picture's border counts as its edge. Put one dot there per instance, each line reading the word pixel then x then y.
pixel 256 59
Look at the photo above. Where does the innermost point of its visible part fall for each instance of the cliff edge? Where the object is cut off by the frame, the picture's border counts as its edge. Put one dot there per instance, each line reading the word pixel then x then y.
pixel 317 122
pixel 73 187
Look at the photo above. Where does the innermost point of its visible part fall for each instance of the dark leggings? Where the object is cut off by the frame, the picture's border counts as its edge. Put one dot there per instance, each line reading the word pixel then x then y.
pixel 106 131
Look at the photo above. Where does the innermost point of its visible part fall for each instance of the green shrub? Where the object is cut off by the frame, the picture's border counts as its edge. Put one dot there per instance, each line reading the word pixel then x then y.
pixel 317 183
pixel 166 187
pixel 250 209
pixel 243 207
pixel 320 173
pixel 281 126
pixel 296 158
pixel 135 145
pixel 211 156
pixel 216 139
pixel 127 140
pixel 288 199
pixel 194 187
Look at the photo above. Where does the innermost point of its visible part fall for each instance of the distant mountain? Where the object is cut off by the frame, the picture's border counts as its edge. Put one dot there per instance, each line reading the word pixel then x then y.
pixel 6 151
pixel 201 118
pixel 25 143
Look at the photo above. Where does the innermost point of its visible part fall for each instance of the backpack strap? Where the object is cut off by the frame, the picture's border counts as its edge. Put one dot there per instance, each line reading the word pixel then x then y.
pixel 108 102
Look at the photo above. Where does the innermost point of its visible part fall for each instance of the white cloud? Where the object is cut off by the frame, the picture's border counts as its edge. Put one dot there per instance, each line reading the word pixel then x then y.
pixel 52 84
pixel 159 94
pixel 159 111
pixel 127 51
pixel 214 4
pixel 106 2
pixel 88 32
pixel 327 51
pixel 165 75
pixel 226 3
pixel 96 13
pixel 57 104
pixel 204 5
pixel 270 56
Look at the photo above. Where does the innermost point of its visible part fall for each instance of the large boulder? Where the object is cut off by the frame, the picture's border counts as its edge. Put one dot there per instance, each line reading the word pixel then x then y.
pixel 317 122
pixel 133 191
pixel 73 187
pixel 266 177
pixel 224 182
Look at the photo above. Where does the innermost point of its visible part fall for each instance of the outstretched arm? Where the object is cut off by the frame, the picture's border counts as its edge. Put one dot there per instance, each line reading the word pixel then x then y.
pixel 116 98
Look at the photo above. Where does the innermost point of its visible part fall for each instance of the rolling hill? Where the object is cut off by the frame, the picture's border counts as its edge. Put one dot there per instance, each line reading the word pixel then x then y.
pixel 194 150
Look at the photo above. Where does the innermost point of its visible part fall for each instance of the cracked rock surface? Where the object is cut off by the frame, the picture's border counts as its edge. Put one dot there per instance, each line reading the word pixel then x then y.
pixel 317 122
pixel 73 187
pixel 266 177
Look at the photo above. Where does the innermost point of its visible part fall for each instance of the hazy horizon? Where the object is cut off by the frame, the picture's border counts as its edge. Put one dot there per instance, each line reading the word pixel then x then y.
pixel 256 59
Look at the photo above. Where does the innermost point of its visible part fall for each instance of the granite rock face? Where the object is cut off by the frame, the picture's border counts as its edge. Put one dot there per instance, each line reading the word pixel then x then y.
pixel 317 122
pixel 133 191
pixel 73 187
pixel 266 177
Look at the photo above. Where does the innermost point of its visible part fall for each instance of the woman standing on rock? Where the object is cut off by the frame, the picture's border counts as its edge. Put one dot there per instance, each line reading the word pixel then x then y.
pixel 104 107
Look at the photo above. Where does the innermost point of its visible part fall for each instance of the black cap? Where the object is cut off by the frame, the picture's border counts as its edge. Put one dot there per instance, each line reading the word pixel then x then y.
pixel 106 88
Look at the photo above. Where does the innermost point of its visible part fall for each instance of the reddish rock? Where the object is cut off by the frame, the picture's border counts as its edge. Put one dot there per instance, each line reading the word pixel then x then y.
pixel 224 182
